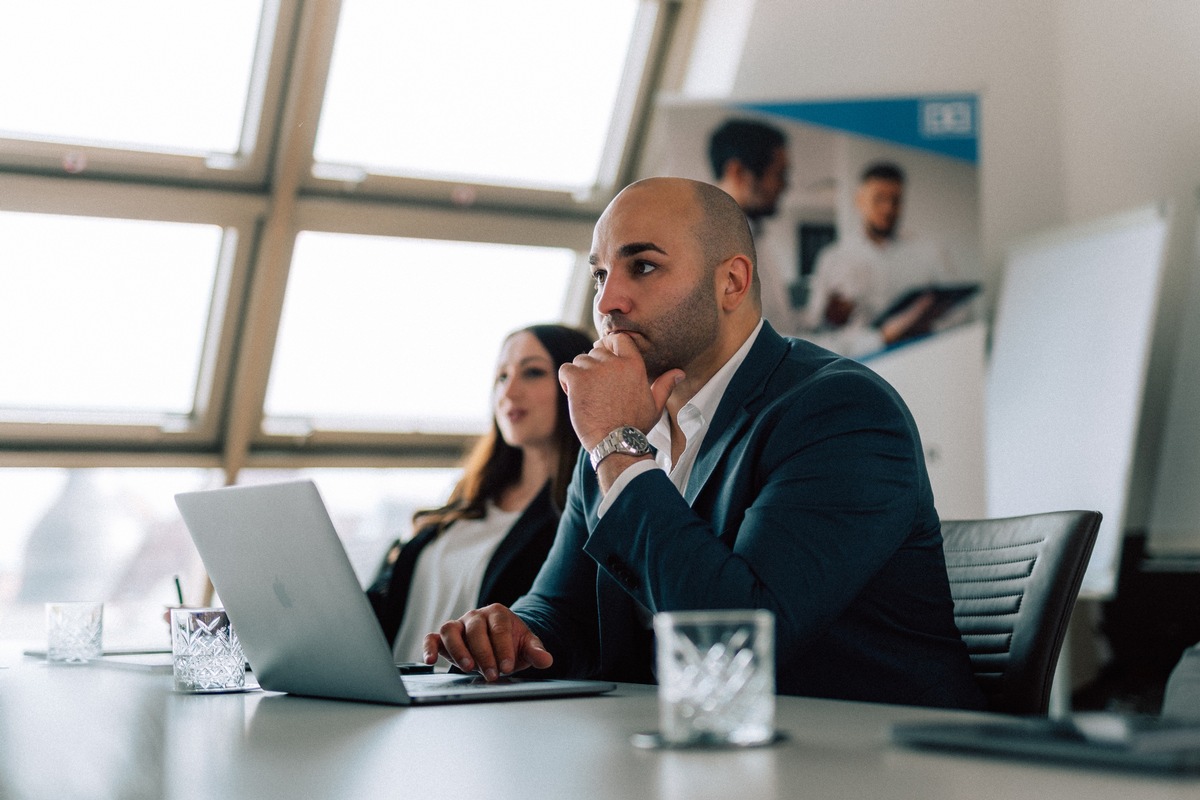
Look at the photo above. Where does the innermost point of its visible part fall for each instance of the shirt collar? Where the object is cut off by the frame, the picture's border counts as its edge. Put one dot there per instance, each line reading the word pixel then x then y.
pixel 696 414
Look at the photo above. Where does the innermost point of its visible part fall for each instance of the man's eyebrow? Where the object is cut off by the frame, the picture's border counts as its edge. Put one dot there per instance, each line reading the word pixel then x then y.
pixel 631 249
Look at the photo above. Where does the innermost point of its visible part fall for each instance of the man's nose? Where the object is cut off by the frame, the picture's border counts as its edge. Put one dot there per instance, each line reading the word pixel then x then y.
pixel 612 297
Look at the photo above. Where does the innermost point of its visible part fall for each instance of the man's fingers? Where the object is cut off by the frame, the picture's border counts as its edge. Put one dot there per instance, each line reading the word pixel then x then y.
pixel 535 653
pixel 571 370
pixel 500 622
pixel 479 641
pixel 492 637
pixel 616 343
pixel 452 644
pixel 492 641
pixel 662 387
pixel 432 648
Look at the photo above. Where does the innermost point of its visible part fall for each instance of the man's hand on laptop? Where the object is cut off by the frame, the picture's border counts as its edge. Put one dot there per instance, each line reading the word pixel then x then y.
pixel 492 641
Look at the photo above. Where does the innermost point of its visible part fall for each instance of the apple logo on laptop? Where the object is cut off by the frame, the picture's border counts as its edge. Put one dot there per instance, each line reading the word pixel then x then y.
pixel 280 592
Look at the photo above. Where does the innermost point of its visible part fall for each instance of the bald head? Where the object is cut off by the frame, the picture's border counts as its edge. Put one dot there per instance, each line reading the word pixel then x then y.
pixel 716 221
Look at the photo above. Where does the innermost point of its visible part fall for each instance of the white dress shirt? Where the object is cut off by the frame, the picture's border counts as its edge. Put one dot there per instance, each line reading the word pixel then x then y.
pixel 694 419
pixel 872 275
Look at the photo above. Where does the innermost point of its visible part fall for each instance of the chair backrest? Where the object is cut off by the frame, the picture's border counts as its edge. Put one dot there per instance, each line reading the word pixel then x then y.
pixel 1014 583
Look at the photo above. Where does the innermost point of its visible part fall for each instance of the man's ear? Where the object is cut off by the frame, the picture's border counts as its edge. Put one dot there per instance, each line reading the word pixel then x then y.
pixel 735 172
pixel 735 276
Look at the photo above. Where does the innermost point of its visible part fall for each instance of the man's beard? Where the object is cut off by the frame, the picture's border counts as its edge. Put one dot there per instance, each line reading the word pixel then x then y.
pixel 675 339
pixel 884 233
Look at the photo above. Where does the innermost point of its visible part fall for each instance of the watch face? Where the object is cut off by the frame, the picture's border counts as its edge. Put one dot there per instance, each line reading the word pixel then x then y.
pixel 633 441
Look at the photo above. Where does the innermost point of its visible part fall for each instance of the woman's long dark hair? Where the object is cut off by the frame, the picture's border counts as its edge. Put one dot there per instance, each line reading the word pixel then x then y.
pixel 494 464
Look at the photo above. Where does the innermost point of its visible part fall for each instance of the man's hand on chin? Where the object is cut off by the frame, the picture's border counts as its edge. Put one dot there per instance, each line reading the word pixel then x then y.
pixel 608 388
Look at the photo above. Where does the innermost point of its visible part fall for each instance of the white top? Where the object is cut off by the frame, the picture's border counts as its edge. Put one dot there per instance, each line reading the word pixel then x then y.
pixel 448 576
pixel 694 419
pixel 873 276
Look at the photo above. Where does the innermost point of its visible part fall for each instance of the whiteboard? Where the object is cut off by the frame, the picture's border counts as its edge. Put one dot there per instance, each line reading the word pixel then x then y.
pixel 1067 374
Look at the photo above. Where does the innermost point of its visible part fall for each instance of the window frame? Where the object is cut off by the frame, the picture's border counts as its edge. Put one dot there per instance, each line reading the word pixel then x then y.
pixel 263 196
pixel 655 21
pixel 238 215
pixel 378 219
pixel 248 167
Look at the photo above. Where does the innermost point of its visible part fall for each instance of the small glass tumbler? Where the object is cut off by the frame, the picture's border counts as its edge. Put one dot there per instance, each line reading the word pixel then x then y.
pixel 74 632
pixel 206 654
pixel 716 677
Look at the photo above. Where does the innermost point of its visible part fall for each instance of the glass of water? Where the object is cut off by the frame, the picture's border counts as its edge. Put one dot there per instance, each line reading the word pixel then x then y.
pixel 74 632
pixel 716 677
pixel 205 650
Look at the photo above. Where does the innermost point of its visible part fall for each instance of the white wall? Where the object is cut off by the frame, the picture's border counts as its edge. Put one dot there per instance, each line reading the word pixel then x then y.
pixel 1130 108
pixel 1130 112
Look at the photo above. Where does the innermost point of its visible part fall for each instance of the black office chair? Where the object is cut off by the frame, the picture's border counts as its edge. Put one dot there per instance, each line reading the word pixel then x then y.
pixel 1014 583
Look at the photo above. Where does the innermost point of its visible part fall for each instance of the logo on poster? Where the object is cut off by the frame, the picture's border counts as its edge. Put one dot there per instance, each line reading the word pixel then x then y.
pixel 947 118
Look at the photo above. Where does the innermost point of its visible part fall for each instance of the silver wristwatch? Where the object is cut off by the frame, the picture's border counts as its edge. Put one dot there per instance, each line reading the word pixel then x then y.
pixel 627 440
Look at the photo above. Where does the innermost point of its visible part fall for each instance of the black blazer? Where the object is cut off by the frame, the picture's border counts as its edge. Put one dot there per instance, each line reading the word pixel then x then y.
pixel 509 574
pixel 809 497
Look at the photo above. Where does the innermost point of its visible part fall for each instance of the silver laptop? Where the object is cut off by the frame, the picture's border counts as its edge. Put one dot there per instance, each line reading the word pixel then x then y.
pixel 303 619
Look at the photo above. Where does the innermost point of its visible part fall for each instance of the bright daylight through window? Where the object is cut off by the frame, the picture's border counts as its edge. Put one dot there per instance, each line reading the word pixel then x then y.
pixel 489 96
pixel 125 330
pixel 251 240
pixel 364 343
pixel 134 73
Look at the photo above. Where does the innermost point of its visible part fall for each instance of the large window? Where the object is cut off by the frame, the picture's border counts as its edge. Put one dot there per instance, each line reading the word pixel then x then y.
pixel 519 94
pixel 115 535
pixel 96 534
pixel 370 340
pixel 103 316
pixel 139 74
pixel 225 228
pixel 261 238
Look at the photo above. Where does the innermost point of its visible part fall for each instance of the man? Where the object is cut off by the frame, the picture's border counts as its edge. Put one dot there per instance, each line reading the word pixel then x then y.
pixel 750 162
pixel 858 277
pixel 785 478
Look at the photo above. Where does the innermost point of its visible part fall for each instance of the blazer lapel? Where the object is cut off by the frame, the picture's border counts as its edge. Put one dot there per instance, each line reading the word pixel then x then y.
pixel 537 514
pixel 732 417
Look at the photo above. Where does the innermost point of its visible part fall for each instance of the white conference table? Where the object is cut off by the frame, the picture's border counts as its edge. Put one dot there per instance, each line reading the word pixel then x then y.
pixel 99 732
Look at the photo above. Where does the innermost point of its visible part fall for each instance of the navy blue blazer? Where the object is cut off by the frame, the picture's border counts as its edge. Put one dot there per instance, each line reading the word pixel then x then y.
pixel 508 575
pixel 810 498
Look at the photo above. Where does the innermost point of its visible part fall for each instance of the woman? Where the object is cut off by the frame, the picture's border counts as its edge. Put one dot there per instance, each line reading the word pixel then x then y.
pixel 488 542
